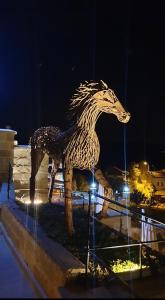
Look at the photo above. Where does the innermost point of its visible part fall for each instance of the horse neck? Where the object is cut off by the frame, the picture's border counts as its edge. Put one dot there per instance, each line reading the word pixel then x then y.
pixel 88 118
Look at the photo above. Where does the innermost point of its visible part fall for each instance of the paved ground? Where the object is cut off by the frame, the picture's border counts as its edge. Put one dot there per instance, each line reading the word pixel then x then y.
pixel 15 282
pixel 4 193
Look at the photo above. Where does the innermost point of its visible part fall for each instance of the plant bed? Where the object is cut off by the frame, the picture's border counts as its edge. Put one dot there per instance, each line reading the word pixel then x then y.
pixel 51 217
pixel 129 270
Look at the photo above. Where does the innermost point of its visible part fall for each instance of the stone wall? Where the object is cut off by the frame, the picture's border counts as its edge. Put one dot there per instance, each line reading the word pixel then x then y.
pixel 6 152
pixel 22 172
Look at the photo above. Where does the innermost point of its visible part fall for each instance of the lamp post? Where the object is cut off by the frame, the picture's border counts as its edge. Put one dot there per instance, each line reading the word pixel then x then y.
pixel 126 192
pixel 93 188
pixel 91 197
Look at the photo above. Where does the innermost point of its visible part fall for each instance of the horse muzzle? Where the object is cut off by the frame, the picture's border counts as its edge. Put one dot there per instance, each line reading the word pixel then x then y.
pixel 124 118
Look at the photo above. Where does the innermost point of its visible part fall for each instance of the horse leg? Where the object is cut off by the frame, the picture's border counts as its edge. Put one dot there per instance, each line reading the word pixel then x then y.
pixel 68 174
pixel 107 194
pixel 36 159
pixel 107 191
pixel 53 173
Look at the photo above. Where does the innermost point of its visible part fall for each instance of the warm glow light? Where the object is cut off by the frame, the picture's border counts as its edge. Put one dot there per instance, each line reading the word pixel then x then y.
pixel 145 163
pixel 25 200
pixel 120 266
pixel 28 201
pixel 37 201
pixel 127 265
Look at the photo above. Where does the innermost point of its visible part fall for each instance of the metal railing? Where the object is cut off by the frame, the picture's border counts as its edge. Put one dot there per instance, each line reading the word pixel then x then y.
pixel 131 212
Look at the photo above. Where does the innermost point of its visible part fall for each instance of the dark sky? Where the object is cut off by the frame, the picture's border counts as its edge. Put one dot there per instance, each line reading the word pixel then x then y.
pixel 48 47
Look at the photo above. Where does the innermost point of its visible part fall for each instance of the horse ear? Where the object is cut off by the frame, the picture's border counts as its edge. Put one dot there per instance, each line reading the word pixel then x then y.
pixel 104 85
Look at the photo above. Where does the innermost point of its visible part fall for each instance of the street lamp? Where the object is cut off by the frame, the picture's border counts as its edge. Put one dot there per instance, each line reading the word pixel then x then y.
pixel 93 186
pixel 126 189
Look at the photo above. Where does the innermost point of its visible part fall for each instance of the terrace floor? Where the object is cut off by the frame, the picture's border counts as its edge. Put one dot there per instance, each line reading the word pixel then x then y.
pixel 15 281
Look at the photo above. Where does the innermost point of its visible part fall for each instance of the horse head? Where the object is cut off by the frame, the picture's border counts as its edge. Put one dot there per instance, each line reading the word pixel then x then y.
pixel 108 102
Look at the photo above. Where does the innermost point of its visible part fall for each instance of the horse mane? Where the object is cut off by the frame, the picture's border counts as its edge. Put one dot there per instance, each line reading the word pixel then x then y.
pixel 83 96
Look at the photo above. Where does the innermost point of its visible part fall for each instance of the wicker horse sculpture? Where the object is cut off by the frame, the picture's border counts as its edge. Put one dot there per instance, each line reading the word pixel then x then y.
pixel 77 147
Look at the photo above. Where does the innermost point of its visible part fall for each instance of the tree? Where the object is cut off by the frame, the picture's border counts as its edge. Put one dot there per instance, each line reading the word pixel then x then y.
pixel 136 197
pixel 140 182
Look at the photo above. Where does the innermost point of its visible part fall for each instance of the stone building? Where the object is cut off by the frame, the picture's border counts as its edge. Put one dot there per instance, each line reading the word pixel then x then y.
pixel 6 152
pixel 22 171
pixel 158 181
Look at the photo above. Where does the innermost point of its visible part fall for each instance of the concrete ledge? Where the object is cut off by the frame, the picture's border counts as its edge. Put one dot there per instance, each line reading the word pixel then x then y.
pixel 51 264
pixel 131 275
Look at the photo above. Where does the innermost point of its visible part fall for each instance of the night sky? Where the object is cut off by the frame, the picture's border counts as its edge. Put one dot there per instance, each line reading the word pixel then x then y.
pixel 49 47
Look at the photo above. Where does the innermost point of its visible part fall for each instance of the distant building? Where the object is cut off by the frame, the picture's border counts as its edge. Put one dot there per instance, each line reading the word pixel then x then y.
pixel 158 181
pixel 22 173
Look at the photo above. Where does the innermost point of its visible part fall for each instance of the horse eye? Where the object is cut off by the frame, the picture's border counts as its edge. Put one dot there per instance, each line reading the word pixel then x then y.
pixel 105 99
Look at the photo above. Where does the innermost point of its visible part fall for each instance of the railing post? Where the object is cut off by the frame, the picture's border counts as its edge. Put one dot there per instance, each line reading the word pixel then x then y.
pixel 88 242
pixel 140 260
